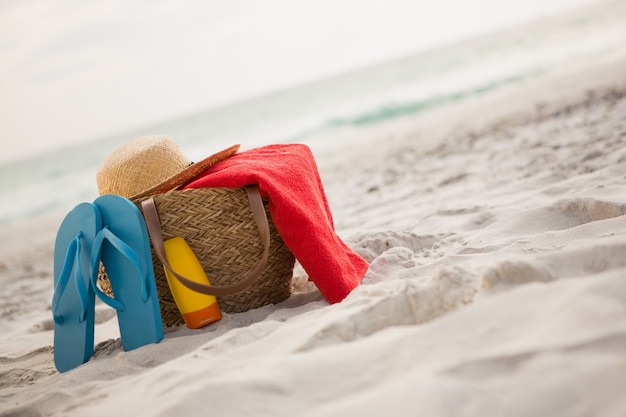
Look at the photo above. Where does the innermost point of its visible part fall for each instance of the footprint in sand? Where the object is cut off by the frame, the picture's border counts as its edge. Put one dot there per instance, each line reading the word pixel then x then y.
pixel 372 245
pixel 511 273
pixel 390 253
pixel 27 369
pixel 565 214
pixel 102 315
pixel 586 210
pixel 562 215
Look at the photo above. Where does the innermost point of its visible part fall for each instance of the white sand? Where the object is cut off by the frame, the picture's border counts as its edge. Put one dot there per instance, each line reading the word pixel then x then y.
pixel 496 232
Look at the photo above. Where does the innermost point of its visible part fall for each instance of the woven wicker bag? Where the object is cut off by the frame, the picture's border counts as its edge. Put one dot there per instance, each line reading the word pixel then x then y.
pixel 220 227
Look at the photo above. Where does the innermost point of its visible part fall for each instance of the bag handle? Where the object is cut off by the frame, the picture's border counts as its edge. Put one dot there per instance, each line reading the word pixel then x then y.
pixel 260 217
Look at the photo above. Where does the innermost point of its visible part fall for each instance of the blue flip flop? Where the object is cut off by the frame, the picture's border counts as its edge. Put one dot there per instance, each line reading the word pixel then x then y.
pixel 123 247
pixel 73 302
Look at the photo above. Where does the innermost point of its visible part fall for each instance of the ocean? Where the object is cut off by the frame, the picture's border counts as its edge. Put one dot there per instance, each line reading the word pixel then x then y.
pixel 407 86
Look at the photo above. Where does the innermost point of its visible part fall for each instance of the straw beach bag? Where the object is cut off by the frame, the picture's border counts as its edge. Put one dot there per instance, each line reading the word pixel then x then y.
pixel 221 229
pixel 229 230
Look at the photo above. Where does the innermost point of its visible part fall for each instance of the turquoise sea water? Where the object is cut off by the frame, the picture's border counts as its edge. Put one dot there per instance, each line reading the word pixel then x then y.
pixel 60 179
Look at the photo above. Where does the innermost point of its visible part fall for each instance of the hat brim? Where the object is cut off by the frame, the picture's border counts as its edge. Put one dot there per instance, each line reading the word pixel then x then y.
pixel 188 174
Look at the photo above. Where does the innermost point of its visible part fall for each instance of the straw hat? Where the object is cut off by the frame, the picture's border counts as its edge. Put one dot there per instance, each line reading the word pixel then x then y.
pixel 151 165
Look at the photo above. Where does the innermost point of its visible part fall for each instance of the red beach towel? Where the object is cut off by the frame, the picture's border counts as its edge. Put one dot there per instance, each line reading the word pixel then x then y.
pixel 287 175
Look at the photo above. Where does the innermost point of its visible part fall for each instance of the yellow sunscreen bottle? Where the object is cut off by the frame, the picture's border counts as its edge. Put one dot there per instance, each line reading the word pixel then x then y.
pixel 197 309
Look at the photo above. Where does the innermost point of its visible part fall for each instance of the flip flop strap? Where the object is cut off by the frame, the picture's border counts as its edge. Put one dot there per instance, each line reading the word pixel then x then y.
pixel 260 217
pixel 125 250
pixel 71 263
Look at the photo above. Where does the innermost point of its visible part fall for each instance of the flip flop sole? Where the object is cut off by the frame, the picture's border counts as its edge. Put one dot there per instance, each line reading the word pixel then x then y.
pixel 73 302
pixel 131 277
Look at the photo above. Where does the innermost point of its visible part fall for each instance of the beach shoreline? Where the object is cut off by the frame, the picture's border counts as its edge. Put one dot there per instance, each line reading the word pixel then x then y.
pixel 496 232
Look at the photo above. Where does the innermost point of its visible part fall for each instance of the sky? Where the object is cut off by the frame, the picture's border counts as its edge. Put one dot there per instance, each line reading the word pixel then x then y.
pixel 78 70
